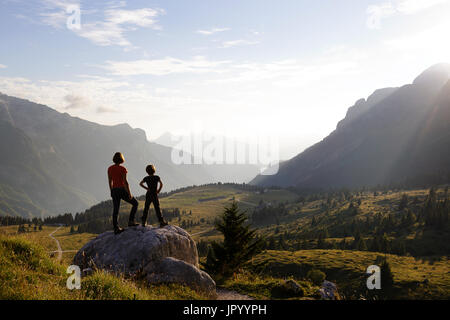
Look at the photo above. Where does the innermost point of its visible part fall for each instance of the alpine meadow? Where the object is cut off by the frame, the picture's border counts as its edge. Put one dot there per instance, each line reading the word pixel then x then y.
pixel 273 154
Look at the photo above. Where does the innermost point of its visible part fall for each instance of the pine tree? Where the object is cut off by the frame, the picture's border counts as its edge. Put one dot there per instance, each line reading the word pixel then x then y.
pixel 211 260
pixel 361 245
pixel 320 242
pixel 240 244
pixel 403 202
pixel 357 240
pixel 387 278
pixel 272 244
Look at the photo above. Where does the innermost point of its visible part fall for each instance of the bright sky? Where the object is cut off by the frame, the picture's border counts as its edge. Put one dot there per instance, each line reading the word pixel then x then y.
pixel 287 68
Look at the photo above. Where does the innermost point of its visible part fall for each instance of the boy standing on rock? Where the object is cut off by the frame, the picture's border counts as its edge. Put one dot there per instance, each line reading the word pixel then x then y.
pixel 152 188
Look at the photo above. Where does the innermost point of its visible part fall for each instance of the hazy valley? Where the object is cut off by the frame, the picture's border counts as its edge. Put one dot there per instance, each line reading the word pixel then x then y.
pixel 375 191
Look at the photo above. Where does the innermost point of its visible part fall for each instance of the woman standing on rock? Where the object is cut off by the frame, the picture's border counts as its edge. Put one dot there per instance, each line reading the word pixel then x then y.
pixel 120 190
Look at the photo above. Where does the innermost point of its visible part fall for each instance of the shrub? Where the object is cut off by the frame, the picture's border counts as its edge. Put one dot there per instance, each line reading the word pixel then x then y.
pixel 316 276
pixel 287 289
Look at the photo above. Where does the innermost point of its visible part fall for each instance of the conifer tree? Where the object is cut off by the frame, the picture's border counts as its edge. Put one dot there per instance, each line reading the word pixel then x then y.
pixel 403 202
pixel 387 278
pixel 240 243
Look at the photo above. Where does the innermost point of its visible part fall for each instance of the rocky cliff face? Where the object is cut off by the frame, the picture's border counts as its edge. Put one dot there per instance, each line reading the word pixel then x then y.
pixel 396 136
pixel 160 255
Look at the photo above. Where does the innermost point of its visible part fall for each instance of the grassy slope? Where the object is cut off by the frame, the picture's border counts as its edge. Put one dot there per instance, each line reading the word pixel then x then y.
pixel 27 272
pixel 348 269
pixel 209 210
pixel 300 215
pixel 17 203
pixel 265 287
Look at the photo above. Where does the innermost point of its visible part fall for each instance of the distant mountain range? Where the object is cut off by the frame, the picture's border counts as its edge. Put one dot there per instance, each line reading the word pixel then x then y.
pixel 398 135
pixel 52 162
pixel 237 173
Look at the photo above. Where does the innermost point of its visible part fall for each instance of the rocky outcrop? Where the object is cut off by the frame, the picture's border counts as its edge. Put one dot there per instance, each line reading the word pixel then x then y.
pixel 160 255
pixel 329 291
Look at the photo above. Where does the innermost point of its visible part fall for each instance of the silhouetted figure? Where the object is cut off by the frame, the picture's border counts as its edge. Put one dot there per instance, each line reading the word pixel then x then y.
pixel 152 194
pixel 120 190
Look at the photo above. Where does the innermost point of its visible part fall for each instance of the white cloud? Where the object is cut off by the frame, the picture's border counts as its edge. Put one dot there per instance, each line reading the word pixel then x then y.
pixel 108 31
pixel 164 66
pixel 427 47
pixel 54 19
pixel 55 14
pixel 212 31
pixel 2 66
pixel 76 96
pixel 414 6
pixel 103 109
pixel 117 22
pixel 76 101
pixel 291 73
pixel 145 17
pixel 235 43
pixel 376 13
pixel 113 101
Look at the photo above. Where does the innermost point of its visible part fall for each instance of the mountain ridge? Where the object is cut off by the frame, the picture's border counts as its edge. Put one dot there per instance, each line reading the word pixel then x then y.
pixel 366 150
pixel 74 153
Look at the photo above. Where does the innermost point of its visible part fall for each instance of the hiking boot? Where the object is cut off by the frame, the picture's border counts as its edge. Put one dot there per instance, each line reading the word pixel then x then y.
pixel 118 230
pixel 163 223
pixel 132 224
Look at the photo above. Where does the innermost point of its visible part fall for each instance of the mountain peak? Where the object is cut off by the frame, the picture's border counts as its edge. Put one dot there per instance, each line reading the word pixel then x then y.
pixel 437 74
pixel 394 136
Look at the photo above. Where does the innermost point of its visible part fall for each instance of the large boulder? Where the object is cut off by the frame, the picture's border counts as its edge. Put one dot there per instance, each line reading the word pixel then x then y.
pixel 160 255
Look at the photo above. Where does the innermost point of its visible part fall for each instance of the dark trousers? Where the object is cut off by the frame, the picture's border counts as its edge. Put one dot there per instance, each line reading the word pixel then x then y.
pixel 149 199
pixel 118 194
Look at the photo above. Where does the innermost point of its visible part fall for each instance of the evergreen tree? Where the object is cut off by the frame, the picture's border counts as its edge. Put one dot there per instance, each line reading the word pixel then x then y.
pixel 313 221
pixel 211 259
pixel 272 244
pixel 361 245
pixel 321 242
pixel 357 240
pixel 403 202
pixel 387 278
pixel 240 243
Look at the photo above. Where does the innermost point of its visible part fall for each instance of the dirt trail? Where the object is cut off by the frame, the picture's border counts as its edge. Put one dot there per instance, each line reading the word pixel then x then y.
pixel 247 203
pixel 59 251
pixel 201 232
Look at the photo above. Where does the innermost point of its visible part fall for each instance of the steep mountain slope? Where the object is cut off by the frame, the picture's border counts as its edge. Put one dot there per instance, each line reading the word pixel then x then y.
pixel 397 135
pixel 59 162
pixel 25 187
